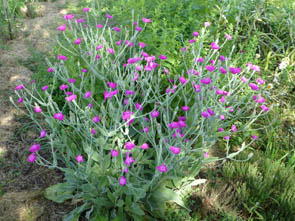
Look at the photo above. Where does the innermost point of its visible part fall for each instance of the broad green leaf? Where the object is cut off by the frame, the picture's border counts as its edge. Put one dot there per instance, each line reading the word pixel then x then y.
pixel 59 192
pixel 135 208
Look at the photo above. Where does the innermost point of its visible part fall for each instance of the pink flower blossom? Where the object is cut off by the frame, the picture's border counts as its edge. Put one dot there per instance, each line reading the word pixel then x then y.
pixel 137 28
pixel 185 108
pixel 214 46
pixel 200 60
pixel 265 108
pixel 175 150
pixel 222 99
pixel 210 68
pixel 118 42
pixel 99 26
pixel 162 168
pixel 116 29
pixel 260 100
pixel 69 17
pixel 84 70
pixel 244 79
pixel 146 129
pixel 62 57
pixel 206 155
pixel 220 129
pixel 114 153
pixel 196 34
pixel 260 81
pixel 71 98
pixel 133 60
pixel 205 114
pixel 86 9
pixel 59 116
pixel 50 70
pixel 146 20
pixel 99 47
pixel 72 80
pixel 162 57
pixel 192 41
pixel 112 84
pixel 138 106
pixel 34 148
pixel 87 94
pixel 62 27
pixel 109 16
pixel 226 138
pixel 221 117
pixel 32 157
pixel 96 119
pixel 111 51
pixel 222 58
pixel 78 41
pixel 19 87
pixel 205 80
pixel 122 181
pixel 141 44
pixel 254 87
pixel 255 137
pixel 79 158
pixel 93 131
pixel 182 80
pixel 42 134
pixel 210 111
pixel 228 37
pixel 234 128
pixel 63 87
pixel 222 70
pixel 207 24
pixel 37 109
pixel 20 100
pixel 144 146
pixel 234 70
pixel 155 113
pixel 126 101
pixel 129 145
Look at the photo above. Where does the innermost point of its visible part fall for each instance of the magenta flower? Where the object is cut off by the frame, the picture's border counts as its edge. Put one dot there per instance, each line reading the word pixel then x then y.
pixel 173 125
pixel 155 114
pixel 32 157
pixel 175 150
pixel 84 70
pixel 234 128
pixel 129 92
pixel 135 77
pixel 220 129
pixel 95 119
pixel 63 87
pixel 50 70
pixel 214 46
pixel 182 80
pixel 244 79
pixel 210 111
pixel 162 57
pixel 222 99
pixel 109 16
pixel 86 9
pixel 99 26
pixel 146 20
pixel 118 42
pixel 210 68
pixel 137 28
pixel 62 27
pixel 254 87
pixel 146 129
pixel 234 70
pixel 185 108
pixel 255 137
pixel 42 134
pixel 222 58
pixel 265 108
pixel 111 51
pixel 112 84
pixel 218 91
pixel 126 101
pixel 79 158
pixel 222 70
pixel 19 87
pixel 192 41
pixel 114 153
pixel 141 44
pixel 122 181
pixel 93 131
pixel 78 41
pixel 226 138
pixel 260 81
pixel 99 47
pixel 205 80
pixel 162 168
pixel 97 57
pixel 69 17
pixel 200 60
pixel 71 98
pixel 87 94
pixel 221 117
pixel 129 145
pixel 59 116
pixel 37 109
pixel 138 106
pixel 34 148
pixel 205 114
pixel 260 100
pixel 20 100
pixel 228 37
pixel 62 57
pixel 196 34
pixel 144 146
pixel 90 105
pixel 133 60
pixel 116 29
pixel 207 24
pixel 68 93
pixel 72 80
pixel 206 155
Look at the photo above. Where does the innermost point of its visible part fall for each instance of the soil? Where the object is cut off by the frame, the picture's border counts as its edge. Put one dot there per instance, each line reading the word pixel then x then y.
pixel 22 184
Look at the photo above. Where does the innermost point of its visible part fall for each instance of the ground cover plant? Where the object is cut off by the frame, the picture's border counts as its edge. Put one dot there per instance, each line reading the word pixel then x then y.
pixel 129 133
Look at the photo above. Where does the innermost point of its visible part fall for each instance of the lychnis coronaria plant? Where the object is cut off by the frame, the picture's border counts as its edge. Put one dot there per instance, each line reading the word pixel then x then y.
pixel 129 135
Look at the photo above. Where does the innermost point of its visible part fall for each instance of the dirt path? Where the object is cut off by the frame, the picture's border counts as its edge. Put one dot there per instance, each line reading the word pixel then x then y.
pixel 21 183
